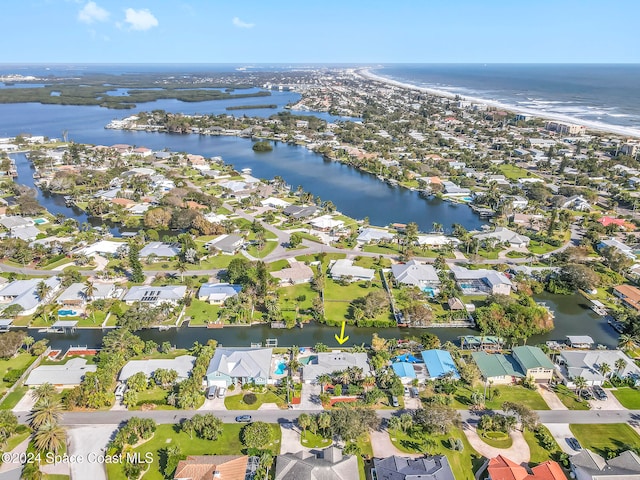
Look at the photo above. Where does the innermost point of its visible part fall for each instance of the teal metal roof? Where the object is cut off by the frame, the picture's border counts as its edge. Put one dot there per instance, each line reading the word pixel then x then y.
pixel 531 357
pixel 497 365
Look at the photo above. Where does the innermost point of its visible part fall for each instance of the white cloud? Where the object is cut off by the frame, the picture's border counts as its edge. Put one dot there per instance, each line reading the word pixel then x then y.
pixel 140 19
pixel 240 24
pixel 91 12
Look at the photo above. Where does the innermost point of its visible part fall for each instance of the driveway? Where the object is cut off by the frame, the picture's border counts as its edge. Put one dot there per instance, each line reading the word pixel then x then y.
pixel 25 404
pixel 215 404
pixel 291 439
pixel 10 466
pixel 561 432
pixel 518 452
pixel 382 446
pixel 412 403
pixel 85 440
pixel 611 403
pixel 309 398
pixel 551 398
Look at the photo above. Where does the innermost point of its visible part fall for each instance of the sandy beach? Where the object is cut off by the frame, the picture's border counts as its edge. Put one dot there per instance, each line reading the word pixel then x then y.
pixel 591 125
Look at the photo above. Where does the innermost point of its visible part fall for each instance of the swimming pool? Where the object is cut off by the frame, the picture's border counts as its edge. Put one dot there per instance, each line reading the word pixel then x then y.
pixel 430 291
pixel 280 369
pixel 40 221
pixel 67 313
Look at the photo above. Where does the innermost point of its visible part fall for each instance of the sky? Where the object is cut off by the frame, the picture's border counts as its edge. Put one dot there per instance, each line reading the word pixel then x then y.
pixel 328 31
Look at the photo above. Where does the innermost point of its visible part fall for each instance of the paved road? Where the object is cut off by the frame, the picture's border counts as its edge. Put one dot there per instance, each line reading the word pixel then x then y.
pixel 282 416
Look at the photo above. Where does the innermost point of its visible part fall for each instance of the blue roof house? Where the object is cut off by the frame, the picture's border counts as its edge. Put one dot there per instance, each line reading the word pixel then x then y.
pixel 405 371
pixel 439 363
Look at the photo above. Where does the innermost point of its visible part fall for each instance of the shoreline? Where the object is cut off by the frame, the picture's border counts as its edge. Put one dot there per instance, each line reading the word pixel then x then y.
pixel 367 73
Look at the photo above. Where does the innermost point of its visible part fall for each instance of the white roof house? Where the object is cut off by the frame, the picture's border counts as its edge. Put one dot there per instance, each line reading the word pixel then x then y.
pixel 504 235
pixel 329 362
pixel 586 364
pixel 621 247
pixel 416 274
pixel 23 293
pixel 344 268
pixel 160 249
pixel 274 202
pixel 155 296
pixel 217 293
pixel 69 374
pixel 104 246
pixel 373 235
pixel 296 273
pixel 74 294
pixel 182 364
pixel 326 222
pixel 481 281
pixel 245 365
pixel 436 240
pixel 14 221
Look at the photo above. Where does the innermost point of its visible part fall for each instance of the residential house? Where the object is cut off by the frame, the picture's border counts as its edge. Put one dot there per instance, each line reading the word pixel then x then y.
pixel 103 291
pixel 518 202
pixel 587 465
pixel 326 223
pixel 160 250
pixel 345 269
pixel 298 212
pixel 418 275
pixel 329 464
pixel 217 293
pixel 498 368
pixel 532 222
pixel 294 274
pixel 227 244
pixel 534 363
pixel 501 468
pixel 75 295
pixel 439 363
pixel 620 222
pixel 629 295
pixel 622 248
pixel 238 366
pixel 104 247
pixel 155 296
pixel 213 467
pixel 405 372
pixel 20 227
pixel 436 240
pixel 24 293
pixel 182 365
pixel 68 374
pixel 587 364
pixel 403 468
pixel 329 362
pixel 481 281
pixel 368 235
pixel 274 202
pixel 577 202
pixel 505 236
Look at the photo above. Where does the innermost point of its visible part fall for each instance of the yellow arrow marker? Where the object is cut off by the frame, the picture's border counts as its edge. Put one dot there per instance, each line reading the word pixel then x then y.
pixel 341 339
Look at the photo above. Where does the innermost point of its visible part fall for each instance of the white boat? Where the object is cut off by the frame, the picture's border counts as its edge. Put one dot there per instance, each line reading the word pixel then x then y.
pixel 598 307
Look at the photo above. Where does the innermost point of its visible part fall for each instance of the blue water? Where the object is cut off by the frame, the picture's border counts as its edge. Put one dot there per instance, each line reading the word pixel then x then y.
pixel 280 368
pixel 67 313
pixel 605 94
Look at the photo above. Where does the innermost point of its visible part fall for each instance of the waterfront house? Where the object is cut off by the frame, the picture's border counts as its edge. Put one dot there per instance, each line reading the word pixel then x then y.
pixel 534 363
pixel 24 293
pixel 274 202
pixel 439 363
pixel 65 375
pixel 501 468
pixel 417 274
pixel 155 296
pixel 629 295
pixel 294 274
pixel 73 296
pixel 239 366
pixel 104 291
pixel 481 281
pixel 621 247
pixel 345 269
pixel 227 244
pixel 405 372
pixel 298 212
pixel 498 368
pixel 505 236
pixel 213 467
pixel 182 365
pixel 328 464
pixel 104 247
pixel 434 467
pixel 436 240
pixel 587 364
pixel 218 293
pixel 326 223
pixel 20 227
pixel 160 250
pixel 330 362
pixel 587 465
pixel 368 235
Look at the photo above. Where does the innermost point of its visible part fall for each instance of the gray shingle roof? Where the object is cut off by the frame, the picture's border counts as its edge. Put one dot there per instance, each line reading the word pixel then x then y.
pixel 71 373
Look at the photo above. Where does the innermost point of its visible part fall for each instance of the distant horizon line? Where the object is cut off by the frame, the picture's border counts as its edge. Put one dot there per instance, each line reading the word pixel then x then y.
pixel 363 64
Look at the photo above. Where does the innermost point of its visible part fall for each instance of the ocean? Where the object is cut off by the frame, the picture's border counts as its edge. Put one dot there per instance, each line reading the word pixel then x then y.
pixel 596 95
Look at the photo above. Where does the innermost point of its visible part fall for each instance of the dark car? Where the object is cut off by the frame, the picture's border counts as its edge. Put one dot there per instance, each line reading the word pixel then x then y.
pixel 574 443
pixel 599 392
pixel 243 418
pixel 586 394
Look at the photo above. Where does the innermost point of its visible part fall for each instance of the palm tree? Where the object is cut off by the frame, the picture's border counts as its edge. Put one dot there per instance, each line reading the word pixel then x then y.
pixel 181 268
pixel 620 366
pixel 43 393
pixel 323 380
pixel 45 412
pixel 42 290
pixel 50 437
pixel 580 383
pixel 627 342
pixel 605 369
pixel 27 342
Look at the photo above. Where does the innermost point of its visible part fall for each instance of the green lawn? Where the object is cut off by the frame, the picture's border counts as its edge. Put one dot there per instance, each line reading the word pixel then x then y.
pixel 338 299
pixel 604 437
pixel 234 402
pixel 287 299
pixel 156 396
pixel 269 246
pixel 20 362
pixel 538 453
pixel 166 435
pixel 202 312
pixel 628 397
pixel 22 433
pixel 53 476
pixel 13 398
pixel 372 262
pixel 277 265
pixel 496 439
pixel 312 440
pixel 391 249
pixel 514 173
pixel 570 399
pixel 463 464
pixel 507 393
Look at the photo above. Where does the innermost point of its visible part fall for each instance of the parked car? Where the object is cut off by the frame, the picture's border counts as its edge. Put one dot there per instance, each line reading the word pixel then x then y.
pixel 599 392
pixel 414 392
pixel 222 391
pixel 211 392
pixel 406 391
pixel 394 401
pixel 243 418
pixel 574 443
pixel 120 389
pixel 586 394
